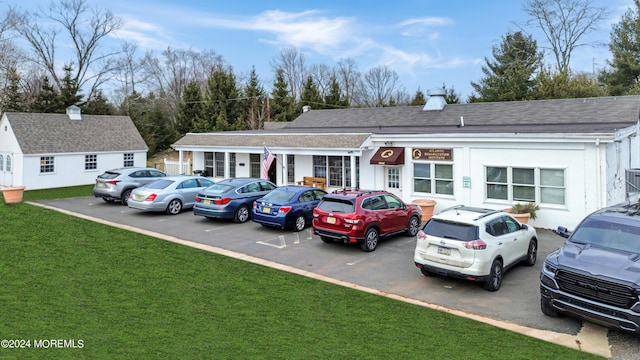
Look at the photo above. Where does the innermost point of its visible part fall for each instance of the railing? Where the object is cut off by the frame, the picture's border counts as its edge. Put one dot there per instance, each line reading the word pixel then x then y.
pixel 173 167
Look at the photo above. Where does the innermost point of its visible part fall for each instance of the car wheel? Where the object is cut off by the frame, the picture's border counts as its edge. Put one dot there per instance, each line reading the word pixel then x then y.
pixel 547 309
pixel 426 272
pixel 124 199
pixel 242 214
pixel 301 222
pixel 532 253
pixel 493 282
pixel 174 207
pixel 414 226
pixel 370 240
pixel 326 239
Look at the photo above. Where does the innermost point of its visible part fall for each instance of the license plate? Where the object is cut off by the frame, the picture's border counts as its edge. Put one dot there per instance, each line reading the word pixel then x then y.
pixel 206 201
pixel 101 185
pixel 138 197
pixel 331 220
pixel 266 209
pixel 444 250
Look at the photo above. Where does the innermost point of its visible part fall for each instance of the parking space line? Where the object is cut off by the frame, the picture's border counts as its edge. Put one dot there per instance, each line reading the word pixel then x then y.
pixel 282 245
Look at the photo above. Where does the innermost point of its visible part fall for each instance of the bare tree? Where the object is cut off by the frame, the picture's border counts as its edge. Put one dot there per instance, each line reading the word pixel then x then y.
pixel 293 63
pixel 379 84
pixel 321 74
pixel 349 78
pixel 564 24
pixel 168 75
pixel 84 28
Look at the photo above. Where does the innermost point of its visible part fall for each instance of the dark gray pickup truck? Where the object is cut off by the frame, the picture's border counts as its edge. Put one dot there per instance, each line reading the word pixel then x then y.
pixel 595 275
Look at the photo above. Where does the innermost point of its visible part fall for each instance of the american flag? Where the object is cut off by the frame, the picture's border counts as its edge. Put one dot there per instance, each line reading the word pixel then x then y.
pixel 267 159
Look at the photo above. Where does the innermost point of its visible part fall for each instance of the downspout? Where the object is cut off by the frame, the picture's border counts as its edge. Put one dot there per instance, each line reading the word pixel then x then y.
pixel 598 175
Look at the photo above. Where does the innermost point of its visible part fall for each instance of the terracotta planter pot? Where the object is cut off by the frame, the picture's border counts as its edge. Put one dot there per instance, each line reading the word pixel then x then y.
pixel 522 218
pixel 427 206
pixel 12 194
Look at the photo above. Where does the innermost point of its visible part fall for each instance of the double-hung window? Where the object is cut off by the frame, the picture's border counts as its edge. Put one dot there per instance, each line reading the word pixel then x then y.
pixel 433 178
pixel 525 184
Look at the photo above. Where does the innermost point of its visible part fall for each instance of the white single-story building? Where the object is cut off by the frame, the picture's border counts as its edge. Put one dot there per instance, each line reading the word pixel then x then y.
pixel 570 156
pixel 42 151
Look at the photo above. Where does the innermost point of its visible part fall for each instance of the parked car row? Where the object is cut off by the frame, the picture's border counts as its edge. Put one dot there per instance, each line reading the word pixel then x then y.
pixel 593 276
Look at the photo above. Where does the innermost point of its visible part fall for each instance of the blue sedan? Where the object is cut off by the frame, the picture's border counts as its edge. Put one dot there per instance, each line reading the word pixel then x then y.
pixel 231 198
pixel 287 207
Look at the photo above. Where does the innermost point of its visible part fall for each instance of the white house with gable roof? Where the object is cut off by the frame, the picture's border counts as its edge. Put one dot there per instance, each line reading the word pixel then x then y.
pixel 42 151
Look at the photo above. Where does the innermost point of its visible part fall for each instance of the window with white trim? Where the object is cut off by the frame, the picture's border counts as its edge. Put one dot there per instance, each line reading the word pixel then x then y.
pixel 255 161
pixel 46 164
pixel 338 168
pixel 8 165
pixel 525 184
pixel 91 162
pixel 128 160
pixel 1 163
pixel 291 165
pixel 433 178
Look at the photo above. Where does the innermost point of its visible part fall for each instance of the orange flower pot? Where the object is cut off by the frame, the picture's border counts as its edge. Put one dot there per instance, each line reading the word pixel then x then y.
pixel 12 194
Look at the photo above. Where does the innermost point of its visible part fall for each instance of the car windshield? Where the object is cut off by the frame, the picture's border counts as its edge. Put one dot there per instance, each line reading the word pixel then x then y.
pixel 451 230
pixel 336 205
pixel 218 188
pixel 280 195
pixel 160 184
pixel 607 234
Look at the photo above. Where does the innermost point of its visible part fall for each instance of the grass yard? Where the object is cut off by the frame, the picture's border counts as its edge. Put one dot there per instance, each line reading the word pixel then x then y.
pixel 130 296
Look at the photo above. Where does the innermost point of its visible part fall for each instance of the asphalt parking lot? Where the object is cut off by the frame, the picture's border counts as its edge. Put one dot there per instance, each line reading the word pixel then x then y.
pixel 389 268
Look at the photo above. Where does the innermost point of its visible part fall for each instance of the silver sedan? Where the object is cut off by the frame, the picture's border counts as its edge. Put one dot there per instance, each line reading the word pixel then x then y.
pixel 170 194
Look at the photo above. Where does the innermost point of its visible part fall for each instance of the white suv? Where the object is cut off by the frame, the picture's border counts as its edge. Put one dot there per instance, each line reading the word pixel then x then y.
pixel 474 244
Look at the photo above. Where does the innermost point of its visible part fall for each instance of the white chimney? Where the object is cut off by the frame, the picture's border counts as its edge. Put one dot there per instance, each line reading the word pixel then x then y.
pixel 436 100
pixel 306 108
pixel 74 113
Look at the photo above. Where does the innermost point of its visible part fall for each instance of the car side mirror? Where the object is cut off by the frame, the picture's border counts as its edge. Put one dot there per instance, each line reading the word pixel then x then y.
pixel 524 226
pixel 563 231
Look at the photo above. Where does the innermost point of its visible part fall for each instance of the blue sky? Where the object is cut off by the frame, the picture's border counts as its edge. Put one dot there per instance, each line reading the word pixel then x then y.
pixel 426 42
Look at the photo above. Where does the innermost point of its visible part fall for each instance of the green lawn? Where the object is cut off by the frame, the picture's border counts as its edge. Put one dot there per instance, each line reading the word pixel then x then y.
pixel 130 296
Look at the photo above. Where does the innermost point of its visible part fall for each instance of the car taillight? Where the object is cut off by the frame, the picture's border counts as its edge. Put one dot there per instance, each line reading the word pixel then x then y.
pixel 475 245
pixel 352 219
pixel 255 205
pixel 284 209
pixel 223 201
pixel 151 197
pixel 421 235
pixel 112 182
pixel 198 198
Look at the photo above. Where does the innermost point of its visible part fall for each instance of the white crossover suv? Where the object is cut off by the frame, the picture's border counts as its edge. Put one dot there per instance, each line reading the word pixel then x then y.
pixel 474 244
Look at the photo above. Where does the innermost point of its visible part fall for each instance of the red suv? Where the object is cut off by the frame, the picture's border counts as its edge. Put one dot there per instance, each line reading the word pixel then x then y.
pixel 355 216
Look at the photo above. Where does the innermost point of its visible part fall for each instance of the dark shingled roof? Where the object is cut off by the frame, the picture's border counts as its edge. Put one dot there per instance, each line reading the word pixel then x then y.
pixel 39 133
pixel 539 116
pixel 270 139
pixel 344 128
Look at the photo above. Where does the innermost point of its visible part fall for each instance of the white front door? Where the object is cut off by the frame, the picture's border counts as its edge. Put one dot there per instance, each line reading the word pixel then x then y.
pixel 393 180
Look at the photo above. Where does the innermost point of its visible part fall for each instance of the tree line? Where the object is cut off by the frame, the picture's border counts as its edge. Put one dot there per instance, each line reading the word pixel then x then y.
pixel 177 91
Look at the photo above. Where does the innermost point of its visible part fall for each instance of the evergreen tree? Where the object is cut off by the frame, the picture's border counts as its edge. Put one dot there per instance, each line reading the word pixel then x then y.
pixel 625 50
pixel 69 92
pixel 282 105
pixel 418 98
pixel 335 99
pixel 48 100
pixel 98 105
pixel 553 84
pixel 13 99
pixel 450 95
pixel 509 77
pixel 311 95
pixel 254 106
pixel 190 110
pixel 221 101
pixel 152 122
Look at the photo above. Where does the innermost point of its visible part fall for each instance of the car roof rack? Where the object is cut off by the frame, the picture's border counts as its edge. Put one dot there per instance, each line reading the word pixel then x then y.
pixel 483 211
pixel 357 192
